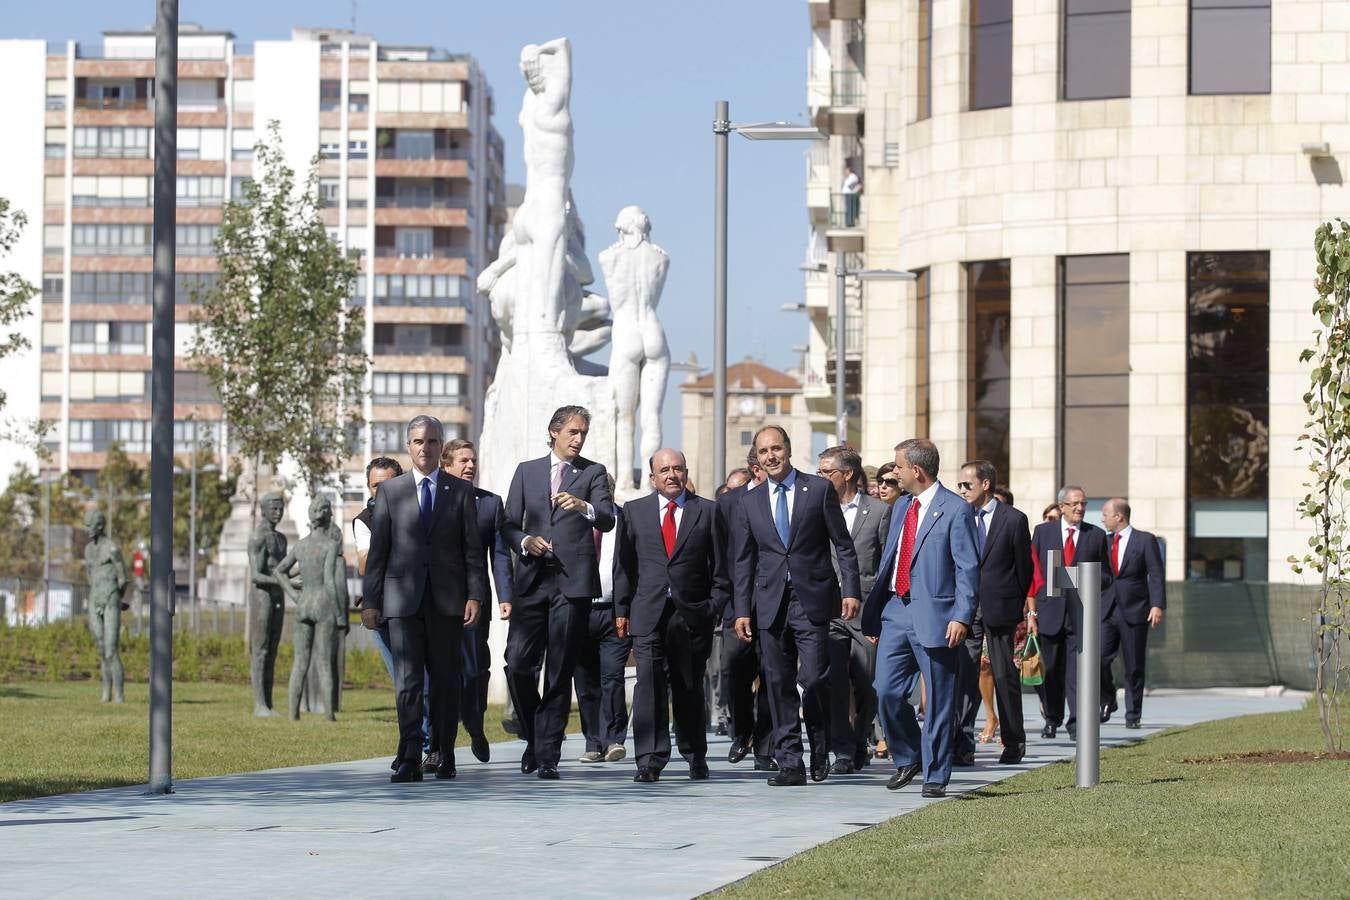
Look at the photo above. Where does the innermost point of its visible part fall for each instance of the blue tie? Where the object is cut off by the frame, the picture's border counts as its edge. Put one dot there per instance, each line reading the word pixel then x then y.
pixel 426 503
pixel 780 515
pixel 980 532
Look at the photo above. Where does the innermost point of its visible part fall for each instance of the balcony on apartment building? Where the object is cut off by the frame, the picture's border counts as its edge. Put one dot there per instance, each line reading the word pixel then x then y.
pixel 415 152
pixel 421 243
pixel 845 229
pixel 418 340
pixel 195 95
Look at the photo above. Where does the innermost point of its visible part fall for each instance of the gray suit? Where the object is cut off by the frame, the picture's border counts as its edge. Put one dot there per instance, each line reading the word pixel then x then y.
pixel 853 657
pixel 421 576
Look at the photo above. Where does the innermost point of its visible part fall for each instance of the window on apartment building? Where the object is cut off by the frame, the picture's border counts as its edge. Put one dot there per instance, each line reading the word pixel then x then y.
pixel 1230 46
pixel 200 94
pixel 416 387
pixel 201 143
pixel 109 387
pixel 110 190
pixel 110 287
pixel 330 94
pixel 414 144
pixel 201 190
pixel 1096 49
pixel 745 438
pixel 922 353
pixel 193 387
pixel 419 340
pixel 53 289
pixel 330 143
pixel 419 290
pixel 358 95
pixel 98 435
pixel 55 144
pixel 110 240
pixel 241 143
pixel 191 434
pixel 196 240
pixel 924 65
pixel 329 190
pixel 991 29
pixel 53 240
pixel 358 148
pixel 239 187
pixel 108 338
pixel 1094 347
pixel 413 243
pixel 53 337
pixel 112 142
pixel 1227 415
pixel 189 287
pixel 989 362
pixel 387 437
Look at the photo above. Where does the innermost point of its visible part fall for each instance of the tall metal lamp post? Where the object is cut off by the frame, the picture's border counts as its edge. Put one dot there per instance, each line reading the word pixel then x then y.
pixel 761 131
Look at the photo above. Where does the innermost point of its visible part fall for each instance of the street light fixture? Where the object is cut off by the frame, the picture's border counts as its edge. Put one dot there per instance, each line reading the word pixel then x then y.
pixel 755 131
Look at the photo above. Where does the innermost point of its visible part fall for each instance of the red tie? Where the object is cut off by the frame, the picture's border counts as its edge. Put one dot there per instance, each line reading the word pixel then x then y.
pixel 906 549
pixel 668 529
pixel 1115 554
pixel 1068 549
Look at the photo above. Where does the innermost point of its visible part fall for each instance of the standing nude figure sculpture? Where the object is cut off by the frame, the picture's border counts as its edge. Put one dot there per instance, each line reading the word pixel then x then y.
pixel 266 548
pixel 635 272
pixel 320 597
pixel 107 575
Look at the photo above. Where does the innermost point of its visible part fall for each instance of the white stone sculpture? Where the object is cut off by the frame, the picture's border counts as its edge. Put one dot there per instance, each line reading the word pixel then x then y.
pixel 639 362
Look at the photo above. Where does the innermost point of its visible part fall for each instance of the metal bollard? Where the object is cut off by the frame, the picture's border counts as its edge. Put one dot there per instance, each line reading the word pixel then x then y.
pixel 1086 577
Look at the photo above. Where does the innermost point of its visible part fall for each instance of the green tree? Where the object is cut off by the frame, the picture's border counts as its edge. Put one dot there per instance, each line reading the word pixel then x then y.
pixel 214 490
pixel 122 492
pixel 275 335
pixel 15 296
pixel 21 509
pixel 1327 441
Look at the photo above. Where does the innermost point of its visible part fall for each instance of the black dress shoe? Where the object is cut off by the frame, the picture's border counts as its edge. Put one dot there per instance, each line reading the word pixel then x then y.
pixel 1072 731
pixel 548 773
pixel 1012 755
pixel 738 751
pixel 787 778
pixel 1107 709
pixel 1133 726
pixel 903 776
pixel 643 776
pixel 934 790
pixel 406 771
pixel 1048 731
pixel 528 763
pixel 482 750
pixel 820 767
pixel 446 770
pixel 843 767
pixel 964 759
pixel 698 770
pixel 766 764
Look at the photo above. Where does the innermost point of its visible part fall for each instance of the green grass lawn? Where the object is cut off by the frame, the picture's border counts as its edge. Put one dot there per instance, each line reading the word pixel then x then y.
pixel 58 737
pixel 1157 826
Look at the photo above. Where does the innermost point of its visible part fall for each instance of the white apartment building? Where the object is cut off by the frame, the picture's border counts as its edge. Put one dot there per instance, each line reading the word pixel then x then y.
pixel 410 178
pixel 1110 208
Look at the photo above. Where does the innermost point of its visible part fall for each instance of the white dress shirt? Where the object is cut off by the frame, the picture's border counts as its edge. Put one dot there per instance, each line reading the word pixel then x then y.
pixel 679 510
pixel 850 511
pixel 1124 541
pixel 925 502
pixel 607 565
pixel 852 184
pixel 1064 527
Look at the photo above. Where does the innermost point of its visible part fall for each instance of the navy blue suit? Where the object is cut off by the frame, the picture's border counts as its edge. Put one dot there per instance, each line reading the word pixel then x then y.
pixel 792 593
pixel 1135 589
pixel 552 605
pixel 747 708
pixel 944 585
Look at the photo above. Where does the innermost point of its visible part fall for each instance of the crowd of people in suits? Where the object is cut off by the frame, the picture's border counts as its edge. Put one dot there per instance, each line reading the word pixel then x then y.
pixel 826 602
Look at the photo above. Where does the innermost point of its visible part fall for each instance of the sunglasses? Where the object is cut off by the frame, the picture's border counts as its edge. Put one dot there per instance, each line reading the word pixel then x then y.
pixel 891 482
pixel 964 486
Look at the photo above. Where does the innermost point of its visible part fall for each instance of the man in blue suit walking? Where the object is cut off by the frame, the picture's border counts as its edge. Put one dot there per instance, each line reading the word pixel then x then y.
pixel 919 611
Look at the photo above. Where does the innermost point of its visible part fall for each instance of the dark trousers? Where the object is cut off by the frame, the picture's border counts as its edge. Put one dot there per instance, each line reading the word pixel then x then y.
pixel 1130 642
pixel 599 678
pixel 544 620
pixel 472 681
pixel 968 654
pixel 747 708
pixel 901 659
pixel 427 650
pixel 853 699
pixel 1055 653
pixel 1007 684
pixel 794 653
pixel 670 666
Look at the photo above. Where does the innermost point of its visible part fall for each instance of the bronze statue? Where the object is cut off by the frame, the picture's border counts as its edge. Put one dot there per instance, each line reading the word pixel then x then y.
pixel 266 548
pixel 320 597
pixel 107 581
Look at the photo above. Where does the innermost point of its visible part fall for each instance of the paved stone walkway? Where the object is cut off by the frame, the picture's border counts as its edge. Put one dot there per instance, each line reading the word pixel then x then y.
pixel 343 831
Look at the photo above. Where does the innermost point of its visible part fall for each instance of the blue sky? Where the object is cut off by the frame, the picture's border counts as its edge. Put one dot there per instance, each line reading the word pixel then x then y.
pixel 646 77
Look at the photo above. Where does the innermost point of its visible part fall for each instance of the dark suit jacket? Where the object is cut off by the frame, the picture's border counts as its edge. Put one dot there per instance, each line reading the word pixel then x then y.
pixel 406 560
pixel 726 535
pixel 1056 614
pixel 1139 585
pixel 647 579
pixel 1005 567
pixel 491 512
pixel 871 524
pixel 529 511
pixel 763 564
pixel 944 569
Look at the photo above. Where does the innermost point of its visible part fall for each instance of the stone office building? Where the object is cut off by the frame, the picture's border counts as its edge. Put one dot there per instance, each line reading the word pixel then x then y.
pixel 1110 209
